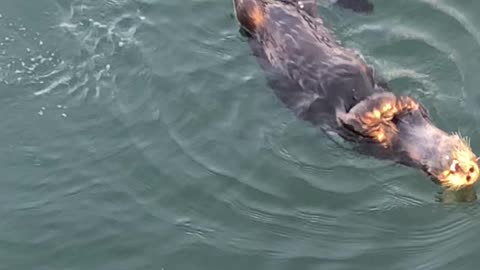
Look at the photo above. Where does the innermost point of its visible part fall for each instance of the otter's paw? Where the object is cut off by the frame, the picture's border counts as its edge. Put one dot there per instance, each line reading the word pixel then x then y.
pixel 370 125
pixel 373 116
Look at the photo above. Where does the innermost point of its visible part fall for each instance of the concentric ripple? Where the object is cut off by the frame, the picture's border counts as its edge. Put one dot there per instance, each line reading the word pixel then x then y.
pixel 259 181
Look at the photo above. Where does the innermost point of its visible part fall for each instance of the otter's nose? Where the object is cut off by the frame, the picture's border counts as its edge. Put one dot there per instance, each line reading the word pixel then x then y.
pixel 469 178
pixel 472 174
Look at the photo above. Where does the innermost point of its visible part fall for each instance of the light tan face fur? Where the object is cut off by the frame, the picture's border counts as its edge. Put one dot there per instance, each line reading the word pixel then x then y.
pixel 462 165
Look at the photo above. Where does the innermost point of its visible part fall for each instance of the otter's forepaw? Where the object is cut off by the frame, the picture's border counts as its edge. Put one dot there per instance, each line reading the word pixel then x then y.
pixel 373 117
pixel 371 125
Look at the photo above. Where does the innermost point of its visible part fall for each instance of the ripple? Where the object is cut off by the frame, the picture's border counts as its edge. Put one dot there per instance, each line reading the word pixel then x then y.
pixel 403 65
pixel 459 16
pixel 93 34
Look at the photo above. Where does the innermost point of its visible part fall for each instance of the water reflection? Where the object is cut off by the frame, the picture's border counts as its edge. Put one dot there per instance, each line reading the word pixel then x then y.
pixel 466 195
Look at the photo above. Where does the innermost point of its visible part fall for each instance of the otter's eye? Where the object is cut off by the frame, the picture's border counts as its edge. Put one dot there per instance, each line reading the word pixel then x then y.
pixel 469 178
pixel 472 169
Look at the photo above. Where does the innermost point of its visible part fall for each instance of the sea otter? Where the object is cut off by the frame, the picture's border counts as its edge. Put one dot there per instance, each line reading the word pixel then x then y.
pixel 332 87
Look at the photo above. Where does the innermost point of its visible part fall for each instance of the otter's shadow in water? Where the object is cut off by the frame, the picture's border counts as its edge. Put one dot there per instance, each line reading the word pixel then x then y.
pixel 466 195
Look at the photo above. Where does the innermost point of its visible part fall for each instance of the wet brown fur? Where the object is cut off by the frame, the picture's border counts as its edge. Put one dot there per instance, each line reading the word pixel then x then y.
pixel 331 86
pixel 250 14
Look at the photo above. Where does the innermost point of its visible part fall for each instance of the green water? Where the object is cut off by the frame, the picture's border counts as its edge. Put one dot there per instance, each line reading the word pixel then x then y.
pixel 140 134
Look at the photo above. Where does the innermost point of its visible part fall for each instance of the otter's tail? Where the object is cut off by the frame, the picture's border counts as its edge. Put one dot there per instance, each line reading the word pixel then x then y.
pixel 361 6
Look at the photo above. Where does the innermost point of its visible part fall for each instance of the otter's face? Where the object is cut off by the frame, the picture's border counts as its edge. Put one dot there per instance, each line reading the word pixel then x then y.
pixel 458 168
pixel 447 158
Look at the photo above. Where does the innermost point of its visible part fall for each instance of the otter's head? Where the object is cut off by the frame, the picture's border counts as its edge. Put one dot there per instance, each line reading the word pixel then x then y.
pixel 401 129
pixel 448 158
pixel 457 167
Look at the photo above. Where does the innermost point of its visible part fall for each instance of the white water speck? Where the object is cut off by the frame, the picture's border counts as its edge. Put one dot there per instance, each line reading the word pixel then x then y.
pixel 156 115
pixel 41 111
pixel 97 92
pixel 28 50
pixel 120 44
pixel 40 43
pixel 64 115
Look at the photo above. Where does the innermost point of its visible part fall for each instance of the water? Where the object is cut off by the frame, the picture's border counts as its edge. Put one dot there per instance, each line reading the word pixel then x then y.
pixel 142 135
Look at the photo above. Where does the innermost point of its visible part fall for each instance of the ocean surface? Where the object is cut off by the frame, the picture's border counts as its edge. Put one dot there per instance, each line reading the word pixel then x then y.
pixel 141 134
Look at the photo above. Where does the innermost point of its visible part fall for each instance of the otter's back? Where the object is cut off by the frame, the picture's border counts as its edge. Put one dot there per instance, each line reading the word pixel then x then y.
pixel 308 70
